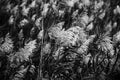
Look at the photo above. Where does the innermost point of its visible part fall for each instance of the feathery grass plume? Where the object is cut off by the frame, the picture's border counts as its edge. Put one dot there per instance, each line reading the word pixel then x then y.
pixel 23 3
pixel 55 31
pixel 102 15
pixel 47 48
pixel 75 13
pixel 54 6
pixel 25 10
pixel 33 17
pixel 61 13
pixel 8 7
pixel 84 20
pixel 84 47
pixel 23 54
pixel 117 10
pixel 71 3
pixel 29 47
pixel 90 27
pixel 106 45
pixel 68 37
pixel 40 35
pixel 60 25
pixel 80 5
pixel 45 9
pixel 37 22
pixel 98 5
pixel 91 18
pixel 7 46
pixel 16 59
pixel 79 35
pixel 33 4
pixel 116 37
pixel 24 22
pixel 15 10
pixel 115 24
pixel 86 58
pixel 11 19
pixel 108 28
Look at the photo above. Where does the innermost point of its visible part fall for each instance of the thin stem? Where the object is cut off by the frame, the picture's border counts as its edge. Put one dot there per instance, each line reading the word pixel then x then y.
pixel 41 56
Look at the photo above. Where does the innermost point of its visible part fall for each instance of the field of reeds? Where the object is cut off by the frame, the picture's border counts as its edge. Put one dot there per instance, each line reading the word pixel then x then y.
pixel 59 39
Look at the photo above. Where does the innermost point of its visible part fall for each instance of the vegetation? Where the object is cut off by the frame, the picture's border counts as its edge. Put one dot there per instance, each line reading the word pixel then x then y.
pixel 59 39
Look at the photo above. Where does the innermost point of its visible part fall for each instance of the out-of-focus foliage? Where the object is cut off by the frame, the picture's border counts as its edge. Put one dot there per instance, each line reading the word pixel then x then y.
pixel 59 39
